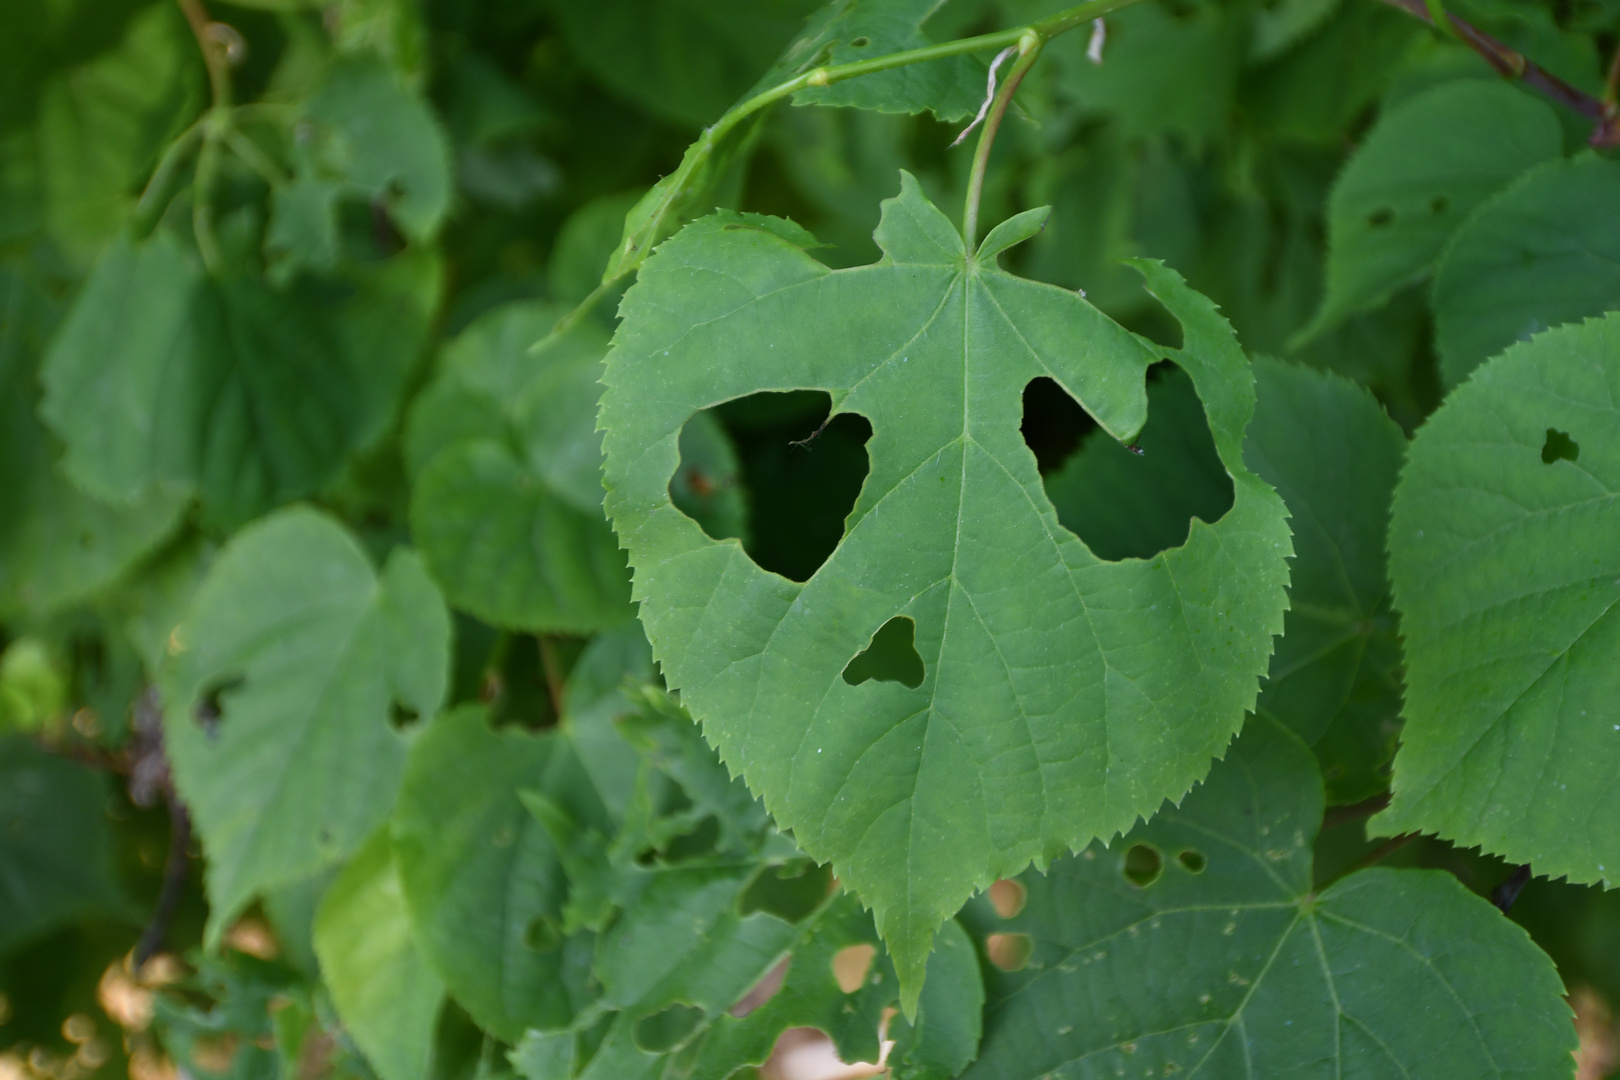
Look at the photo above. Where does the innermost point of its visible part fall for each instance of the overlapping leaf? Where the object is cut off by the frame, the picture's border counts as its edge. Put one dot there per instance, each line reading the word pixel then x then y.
pixel 280 689
pixel 507 501
pixel 1418 175
pixel 1212 954
pixel 1506 569
pixel 384 989
pixel 1333 455
pixel 250 395
pixel 57 544
pixel 1545 251
pixel 1063 695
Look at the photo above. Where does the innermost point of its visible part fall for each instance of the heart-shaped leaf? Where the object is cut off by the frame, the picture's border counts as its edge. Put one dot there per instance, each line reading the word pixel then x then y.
pixel 1062 695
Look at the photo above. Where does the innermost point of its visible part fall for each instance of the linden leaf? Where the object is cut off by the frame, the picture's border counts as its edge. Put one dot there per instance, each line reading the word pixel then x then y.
pixel 1199 946
pixel 1062 695
pixel 1507 576
pixel 279 689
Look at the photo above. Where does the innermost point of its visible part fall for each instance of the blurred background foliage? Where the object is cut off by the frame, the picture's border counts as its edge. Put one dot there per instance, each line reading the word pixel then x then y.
pixel 477 157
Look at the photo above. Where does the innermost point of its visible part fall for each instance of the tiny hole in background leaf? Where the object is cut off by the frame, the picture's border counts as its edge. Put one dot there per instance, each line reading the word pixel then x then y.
pixel 1381 217
pixel 211 702
pixel 1009 952
pixel 800 473
pixel 1192 861
pixel 891 657
pixel 1007 897
pixel 860 42
pixel 1439 204
pixel 1143 865
pixel 668 1028
pixel 541 934
pixel 1559 447
pixel 401 717
pixel 851 964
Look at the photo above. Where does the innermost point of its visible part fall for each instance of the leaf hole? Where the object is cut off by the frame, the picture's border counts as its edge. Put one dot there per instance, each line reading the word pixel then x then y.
pixel 1192 861
pixel 1559 447
pixel 775 471
pixel 890 657
pixel 860 42
pixel 1134 501
pixel 542 934
pixel 851 964
pixel 1054 424
pixel 1143 865
pixel 1008 897
pixel 1439 204
pixel 210 705
pixel 402 717
pixel 790 891
pixel 1009 952
pixel 667 1029
pixel 1381 217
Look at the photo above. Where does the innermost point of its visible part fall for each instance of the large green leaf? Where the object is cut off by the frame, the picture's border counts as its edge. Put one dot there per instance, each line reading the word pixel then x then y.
pixel 687 60
pixel 280 688
pixel 507 504
pixel 1507 576
pixel 1545 251
pixel 1197 946
pixel 1418 175
pixel 57 544
pixel 384 989
pixel 484 883
pixel 252 395
pixel 56 843
pixel 1333 455
pixel 1063 695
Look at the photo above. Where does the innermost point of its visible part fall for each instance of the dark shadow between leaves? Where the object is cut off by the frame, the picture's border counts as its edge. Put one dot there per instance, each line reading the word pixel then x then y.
pixel 891 657
pixel 777 472
pixel 666 1029
pixel 1132 502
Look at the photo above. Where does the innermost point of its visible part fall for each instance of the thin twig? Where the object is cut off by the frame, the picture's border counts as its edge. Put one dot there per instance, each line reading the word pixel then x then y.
pixel 1611 85
pixel 1507 892
pixel 552 669
pixel 1381 852
pixel 1512 64
pixel 174 883
pixel 214 56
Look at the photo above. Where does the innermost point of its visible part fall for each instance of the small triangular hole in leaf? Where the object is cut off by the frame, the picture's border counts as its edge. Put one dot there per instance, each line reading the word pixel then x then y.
pixel 892 656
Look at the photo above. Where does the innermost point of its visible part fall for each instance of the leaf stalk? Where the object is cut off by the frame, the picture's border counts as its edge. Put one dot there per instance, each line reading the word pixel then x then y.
pixel 1029 50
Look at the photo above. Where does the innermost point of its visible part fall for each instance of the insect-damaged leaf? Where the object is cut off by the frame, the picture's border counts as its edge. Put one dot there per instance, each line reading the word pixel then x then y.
pixel 1224 961
pixel 1062 695
pixel 1506 570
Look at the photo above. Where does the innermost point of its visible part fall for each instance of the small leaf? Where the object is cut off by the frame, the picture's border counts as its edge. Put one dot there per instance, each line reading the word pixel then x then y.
pixel 1054 681
pixel 1230 964
pixel 1416 178
pixel 1507 577
pixel 1544 252
pixel 507 505
pixel 278 692
pixel 1332 454
pixel 56 844
pixel 384 991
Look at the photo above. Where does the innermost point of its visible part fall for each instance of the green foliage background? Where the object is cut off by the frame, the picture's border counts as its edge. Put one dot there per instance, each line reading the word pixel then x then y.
pixel 467 596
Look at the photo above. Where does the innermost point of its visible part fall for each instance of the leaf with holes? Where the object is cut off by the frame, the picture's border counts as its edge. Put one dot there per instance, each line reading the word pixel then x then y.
pixel 483 881
pixel 279 687
pixel 1062 695
pixel 382 985
pixel 1198 946
pixel 507 503
pixel 1544 252
pixel 1333 455
pixel 1507 576
pixel 1418 175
